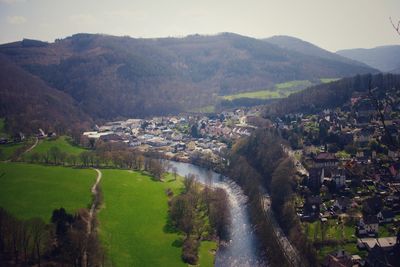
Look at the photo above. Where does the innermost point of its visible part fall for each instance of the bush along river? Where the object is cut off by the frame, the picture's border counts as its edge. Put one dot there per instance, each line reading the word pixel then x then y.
pixel 242 247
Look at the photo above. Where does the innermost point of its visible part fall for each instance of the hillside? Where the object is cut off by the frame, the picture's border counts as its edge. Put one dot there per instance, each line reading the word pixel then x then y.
pixel 112 76
pixel 306 48
pixel 384 58
pixel 331 95
pixel 29 103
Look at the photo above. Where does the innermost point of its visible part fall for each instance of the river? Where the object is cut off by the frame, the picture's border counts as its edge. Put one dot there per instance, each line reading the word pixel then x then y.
pixel 241 250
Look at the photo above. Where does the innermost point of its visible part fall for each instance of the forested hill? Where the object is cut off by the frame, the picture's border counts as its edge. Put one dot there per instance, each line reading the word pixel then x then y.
pixel 384 58
pixel 332 95
pixel 28 103
pixel 112 76
pixel 298 45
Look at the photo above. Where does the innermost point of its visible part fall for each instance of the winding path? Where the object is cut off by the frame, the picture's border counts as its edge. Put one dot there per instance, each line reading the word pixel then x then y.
pixel 33 146
pixel 26 151
pixel 95 192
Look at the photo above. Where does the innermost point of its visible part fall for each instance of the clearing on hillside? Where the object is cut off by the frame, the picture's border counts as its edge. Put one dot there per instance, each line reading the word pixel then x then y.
pixel 61 142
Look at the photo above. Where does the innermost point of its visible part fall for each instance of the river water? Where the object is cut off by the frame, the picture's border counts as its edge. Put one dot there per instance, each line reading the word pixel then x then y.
pixel 241 250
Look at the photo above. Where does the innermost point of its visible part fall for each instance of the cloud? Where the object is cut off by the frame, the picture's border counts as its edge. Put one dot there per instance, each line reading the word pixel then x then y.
pixel 83 19
pixel 16 20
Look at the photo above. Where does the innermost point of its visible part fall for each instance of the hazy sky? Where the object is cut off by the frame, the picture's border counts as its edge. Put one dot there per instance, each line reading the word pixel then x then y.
pixel 331 24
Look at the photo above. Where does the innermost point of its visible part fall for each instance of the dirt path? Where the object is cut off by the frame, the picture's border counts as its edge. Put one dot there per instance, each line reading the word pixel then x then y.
pixel 95 203
pixel 95 192
pixel 33 146
pixel 26 151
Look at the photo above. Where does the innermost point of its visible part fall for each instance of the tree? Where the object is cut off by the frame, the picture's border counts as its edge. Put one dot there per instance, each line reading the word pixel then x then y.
pixel 54 154
pixel 40 236
pixel 396 27
pixel 174 172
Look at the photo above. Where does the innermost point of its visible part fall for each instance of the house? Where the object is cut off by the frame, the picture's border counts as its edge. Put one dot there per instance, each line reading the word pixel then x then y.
pixel 41 134
pixel 325 160
pixel 368 225
pixel 339 177
pixel 339 259
pixel 342 203
pixel 312 207
pixel 315 179
pixel 387 243
pixel 111 138
pixel 386 216
pixel 385 254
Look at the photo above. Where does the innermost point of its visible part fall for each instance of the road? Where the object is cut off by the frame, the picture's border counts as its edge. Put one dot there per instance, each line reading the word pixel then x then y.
pixel 288 249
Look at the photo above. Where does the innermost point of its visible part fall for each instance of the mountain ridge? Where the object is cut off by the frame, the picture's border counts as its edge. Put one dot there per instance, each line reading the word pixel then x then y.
pixel 385 58
pixel 110 76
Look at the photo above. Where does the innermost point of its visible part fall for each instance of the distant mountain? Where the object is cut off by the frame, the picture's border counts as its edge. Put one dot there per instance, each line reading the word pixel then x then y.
pixel 110 76
pixel 28 103
pixel 298 45
pixel 384 58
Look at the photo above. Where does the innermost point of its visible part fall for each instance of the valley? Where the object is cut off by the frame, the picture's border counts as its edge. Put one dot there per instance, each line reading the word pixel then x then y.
pixel 199 133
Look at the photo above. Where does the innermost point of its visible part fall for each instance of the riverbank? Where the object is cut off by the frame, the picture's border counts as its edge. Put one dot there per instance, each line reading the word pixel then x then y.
pixel 242 246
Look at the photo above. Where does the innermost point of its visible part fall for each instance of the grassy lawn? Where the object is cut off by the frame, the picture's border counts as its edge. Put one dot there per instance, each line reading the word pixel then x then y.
pixel 328 80
pixel 8 150
pixel 261 94
pixel 133 221
pixel 334 231
pixel 206 253
pixel 60 142
pixel 28 190
pixel 290 84
pixel 280 90
pixel 386 230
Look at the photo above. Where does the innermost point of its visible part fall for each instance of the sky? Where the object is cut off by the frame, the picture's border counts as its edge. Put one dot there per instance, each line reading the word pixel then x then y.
pixel 330 24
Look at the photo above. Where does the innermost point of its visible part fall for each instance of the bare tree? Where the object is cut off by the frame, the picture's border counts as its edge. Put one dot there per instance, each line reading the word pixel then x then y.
pixel 396 27
pixel 40 237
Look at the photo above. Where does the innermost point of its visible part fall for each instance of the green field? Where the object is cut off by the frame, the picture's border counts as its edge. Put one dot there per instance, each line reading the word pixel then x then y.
pixel 291 84
pixel 334 231
pixel 280 90
pixel 8 150
pixel 261 94
pixel 28 190
pixel 133 221
pixel 61 142
pixel 206 258
pixel 329 80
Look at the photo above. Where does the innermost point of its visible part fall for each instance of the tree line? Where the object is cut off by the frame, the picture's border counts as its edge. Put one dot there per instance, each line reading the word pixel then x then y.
pixel 201 213
pixel 104 155
pixel 259 161
pixel 62 242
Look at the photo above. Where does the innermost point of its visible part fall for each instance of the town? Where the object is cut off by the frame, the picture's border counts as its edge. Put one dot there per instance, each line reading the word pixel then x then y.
pixel 181 138
pixel 348 194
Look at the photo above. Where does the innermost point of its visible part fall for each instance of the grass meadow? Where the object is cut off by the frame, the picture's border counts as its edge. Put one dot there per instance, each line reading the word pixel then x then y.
pixel 28 190
pixel 61 142
pixel 133 221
